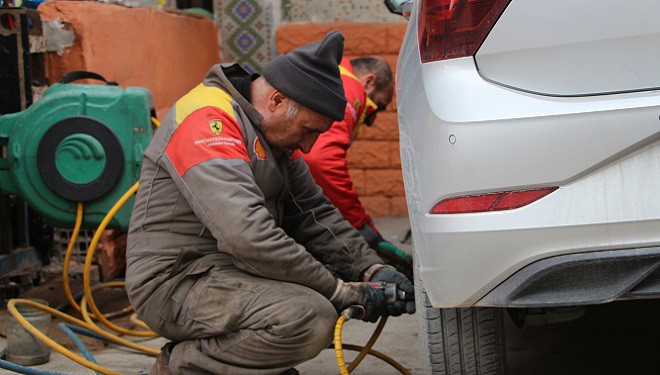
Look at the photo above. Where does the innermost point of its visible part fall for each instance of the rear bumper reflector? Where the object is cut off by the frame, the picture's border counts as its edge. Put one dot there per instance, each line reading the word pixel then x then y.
pixel 499 201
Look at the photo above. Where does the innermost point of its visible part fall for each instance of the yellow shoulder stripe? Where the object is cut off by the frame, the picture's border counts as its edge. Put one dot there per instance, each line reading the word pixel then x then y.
pixel 203 96
pixel 345 72
pixel 370 104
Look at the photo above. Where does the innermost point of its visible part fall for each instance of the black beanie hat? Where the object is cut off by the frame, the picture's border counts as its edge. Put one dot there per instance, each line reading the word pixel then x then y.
pixel 310 75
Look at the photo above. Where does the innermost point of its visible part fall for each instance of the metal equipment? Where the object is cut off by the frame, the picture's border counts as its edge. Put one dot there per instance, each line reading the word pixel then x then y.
pixel 78 143
pixel 24 238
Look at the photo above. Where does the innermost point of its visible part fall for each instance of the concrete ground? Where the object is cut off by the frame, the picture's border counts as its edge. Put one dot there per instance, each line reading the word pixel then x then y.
pixel 397 340
pixel 617 338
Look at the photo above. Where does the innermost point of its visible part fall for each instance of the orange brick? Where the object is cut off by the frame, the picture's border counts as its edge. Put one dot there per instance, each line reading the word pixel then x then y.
pixel 392 106
pixel 386 128
pixel 359 181
pixel 291 36
pixel 376 206
pixel 365 39
pixel 369 154
pixel 395 155
pixel 398 206
pixel 395 34
pixel 361 38
pixel 385 182
pixel 391 60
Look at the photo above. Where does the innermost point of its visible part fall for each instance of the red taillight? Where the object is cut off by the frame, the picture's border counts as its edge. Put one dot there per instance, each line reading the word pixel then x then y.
pixel 449 29
pixel 507 200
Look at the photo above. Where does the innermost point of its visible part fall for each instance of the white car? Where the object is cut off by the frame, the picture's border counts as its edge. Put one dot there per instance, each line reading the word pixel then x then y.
pixel 530 147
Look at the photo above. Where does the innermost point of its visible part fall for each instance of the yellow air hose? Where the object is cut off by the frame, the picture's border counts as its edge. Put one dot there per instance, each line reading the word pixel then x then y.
pixel 339 351
pixel 364 350
pixel 363 353
pixel 134 319
pixel 67 258
pixel 65 269
pixel 89 324
pixel 88 266
pixel 389 360
pixel 47 340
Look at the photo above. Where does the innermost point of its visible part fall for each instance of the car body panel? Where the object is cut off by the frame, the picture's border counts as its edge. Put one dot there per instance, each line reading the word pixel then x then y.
pixel 617 51
pixel 602 151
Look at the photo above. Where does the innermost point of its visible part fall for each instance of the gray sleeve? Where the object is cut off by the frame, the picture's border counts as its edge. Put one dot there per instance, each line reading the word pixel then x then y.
pixel 226 199
pixel 312 220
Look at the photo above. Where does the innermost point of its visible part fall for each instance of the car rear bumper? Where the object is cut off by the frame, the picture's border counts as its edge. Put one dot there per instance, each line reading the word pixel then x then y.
pixel 463 257
pixel 581 279
pixel 515 267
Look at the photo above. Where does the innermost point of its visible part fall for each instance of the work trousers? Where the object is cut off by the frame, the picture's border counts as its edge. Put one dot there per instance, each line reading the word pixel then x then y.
pixel 226 321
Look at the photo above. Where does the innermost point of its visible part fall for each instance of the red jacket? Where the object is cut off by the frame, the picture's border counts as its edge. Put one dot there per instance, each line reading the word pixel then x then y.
pixel 327 160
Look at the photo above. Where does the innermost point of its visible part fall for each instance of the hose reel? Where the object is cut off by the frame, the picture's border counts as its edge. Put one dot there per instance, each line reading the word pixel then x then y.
pixel 78 143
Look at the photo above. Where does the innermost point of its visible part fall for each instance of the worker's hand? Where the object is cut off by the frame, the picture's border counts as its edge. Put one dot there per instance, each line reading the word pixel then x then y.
pixel 387 251
pixel 349 294
pixel 388 274
pixel 395 257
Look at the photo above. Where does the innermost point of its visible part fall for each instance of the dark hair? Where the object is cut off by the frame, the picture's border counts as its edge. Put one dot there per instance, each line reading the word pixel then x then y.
pixel 375 65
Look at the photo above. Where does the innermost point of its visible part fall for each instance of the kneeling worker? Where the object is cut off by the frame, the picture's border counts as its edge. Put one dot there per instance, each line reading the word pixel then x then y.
pixel 369 88
pixel 234 253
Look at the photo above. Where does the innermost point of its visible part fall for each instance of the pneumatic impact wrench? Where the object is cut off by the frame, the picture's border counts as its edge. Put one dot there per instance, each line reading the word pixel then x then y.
pixel 392 294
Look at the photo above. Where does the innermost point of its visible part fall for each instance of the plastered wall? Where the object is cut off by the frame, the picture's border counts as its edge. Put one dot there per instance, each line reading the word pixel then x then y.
pixel 168 53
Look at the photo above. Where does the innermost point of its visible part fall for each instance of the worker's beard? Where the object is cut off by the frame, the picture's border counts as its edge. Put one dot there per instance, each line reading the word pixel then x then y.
pixel 279 132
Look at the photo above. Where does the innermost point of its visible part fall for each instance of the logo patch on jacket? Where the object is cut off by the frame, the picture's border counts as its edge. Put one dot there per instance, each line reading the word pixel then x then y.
pixel 356 104
pixel 216 126
pixel 259 149
pixel 192 143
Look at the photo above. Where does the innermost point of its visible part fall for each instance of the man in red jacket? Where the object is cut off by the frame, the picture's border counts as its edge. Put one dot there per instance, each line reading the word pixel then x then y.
pixel 368 87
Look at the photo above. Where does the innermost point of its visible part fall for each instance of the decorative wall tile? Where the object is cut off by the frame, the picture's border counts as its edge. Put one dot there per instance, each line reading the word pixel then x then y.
pixel 246 32
pixel 247 27
pixel 337 11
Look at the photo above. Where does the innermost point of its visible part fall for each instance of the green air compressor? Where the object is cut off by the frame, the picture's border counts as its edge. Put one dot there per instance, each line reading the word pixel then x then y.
pixel 78 143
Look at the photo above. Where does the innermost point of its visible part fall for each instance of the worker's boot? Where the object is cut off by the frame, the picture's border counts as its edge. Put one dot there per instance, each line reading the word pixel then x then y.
pixel 162 365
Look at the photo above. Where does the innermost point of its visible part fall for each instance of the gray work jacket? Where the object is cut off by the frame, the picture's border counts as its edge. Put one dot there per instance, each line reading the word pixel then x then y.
pixel 211 184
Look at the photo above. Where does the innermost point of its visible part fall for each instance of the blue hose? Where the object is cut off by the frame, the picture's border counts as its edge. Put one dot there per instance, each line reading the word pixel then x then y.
pixel 66 304
pixel 70 331
pixel 82 331
pixel 25 370
pixel 76 340
pixel 21 369
pixel 67 329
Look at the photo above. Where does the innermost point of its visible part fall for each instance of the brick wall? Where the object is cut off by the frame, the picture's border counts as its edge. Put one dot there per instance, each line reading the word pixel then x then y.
pixel 373 159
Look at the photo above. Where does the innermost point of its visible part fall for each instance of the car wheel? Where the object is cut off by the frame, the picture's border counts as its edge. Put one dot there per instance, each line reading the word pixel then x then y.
pixel 459 340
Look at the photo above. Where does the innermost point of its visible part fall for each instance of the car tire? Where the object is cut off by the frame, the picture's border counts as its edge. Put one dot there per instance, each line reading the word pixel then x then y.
pixel 459 340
